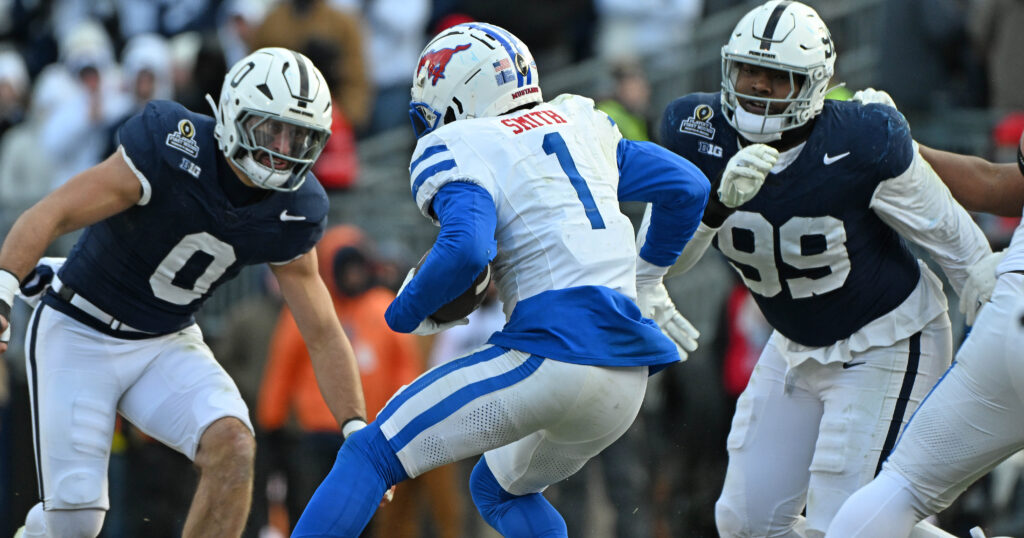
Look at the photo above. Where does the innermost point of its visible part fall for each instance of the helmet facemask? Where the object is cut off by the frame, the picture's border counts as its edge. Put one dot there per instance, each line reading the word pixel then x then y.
pixel 275 153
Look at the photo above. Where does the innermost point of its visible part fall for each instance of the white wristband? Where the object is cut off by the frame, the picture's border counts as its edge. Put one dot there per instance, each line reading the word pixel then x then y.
pixel 9 286
pixel 351 426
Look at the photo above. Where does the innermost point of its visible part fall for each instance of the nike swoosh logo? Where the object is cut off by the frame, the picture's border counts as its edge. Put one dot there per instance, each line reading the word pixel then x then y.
pixel 851 364
pixel 286 217
pixel 829 160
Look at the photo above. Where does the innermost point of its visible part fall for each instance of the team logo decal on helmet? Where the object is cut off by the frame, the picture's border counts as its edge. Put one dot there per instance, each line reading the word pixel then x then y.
pixel 453 78
pixel 437 60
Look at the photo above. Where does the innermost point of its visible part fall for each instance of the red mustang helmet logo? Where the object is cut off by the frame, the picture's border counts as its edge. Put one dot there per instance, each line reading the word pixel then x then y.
pixel 436 62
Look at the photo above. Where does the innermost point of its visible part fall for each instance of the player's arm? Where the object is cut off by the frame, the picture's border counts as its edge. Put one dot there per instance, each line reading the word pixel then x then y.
pixel 334 362
pixel 978 184
pixel 463 248
pixel 918 205
pixel 106 189
pixel 678 192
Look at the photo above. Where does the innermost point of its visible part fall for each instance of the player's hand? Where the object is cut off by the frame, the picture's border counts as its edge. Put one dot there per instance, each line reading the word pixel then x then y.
pixel 981 280
pixel 388 495
pixel 40 278
pixel 869 96
pixel 655 303
pixel 8 287
pixel 429 325
pixel 745 173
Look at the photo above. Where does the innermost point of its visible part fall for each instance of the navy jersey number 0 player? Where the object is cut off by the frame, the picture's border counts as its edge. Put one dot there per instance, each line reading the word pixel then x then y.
pixel 813 204
pixel 185 202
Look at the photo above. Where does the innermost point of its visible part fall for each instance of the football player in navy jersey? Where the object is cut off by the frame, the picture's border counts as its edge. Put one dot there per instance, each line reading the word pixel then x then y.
pixel 183 204
pixel 531 189
pixel 814 200
pixel 971 420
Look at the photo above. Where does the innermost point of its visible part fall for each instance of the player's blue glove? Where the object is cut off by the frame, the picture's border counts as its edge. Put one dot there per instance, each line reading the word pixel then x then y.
pixel 981 280
pixel 745 173
pixel 32 286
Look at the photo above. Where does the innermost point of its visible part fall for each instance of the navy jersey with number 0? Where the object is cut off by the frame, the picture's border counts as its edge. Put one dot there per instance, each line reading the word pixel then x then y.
pixel 819 261
pixel 153 265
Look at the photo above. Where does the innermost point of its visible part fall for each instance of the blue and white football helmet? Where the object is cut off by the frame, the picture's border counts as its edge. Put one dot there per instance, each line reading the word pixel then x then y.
pixel 471 70
pixel 274 117
pixel 787 36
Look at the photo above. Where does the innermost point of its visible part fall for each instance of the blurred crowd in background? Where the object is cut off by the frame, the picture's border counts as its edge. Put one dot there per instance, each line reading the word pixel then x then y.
pixel 71 71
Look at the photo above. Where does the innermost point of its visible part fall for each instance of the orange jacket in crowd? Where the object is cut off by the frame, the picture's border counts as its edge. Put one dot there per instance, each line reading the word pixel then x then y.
pixel 387 360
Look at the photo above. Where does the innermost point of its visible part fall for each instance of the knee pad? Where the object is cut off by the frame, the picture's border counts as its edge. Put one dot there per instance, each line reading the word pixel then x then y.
pixel 75 523
pixel 370 443
pixel 35 522
pixel 728 521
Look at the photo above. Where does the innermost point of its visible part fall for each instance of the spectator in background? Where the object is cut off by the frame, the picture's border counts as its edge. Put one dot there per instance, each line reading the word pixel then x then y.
pixel 645 28
pixel 994 27
pixel 87 102
pixel 198 67
pixel 237 23
pixel 338 165
pixel 146 75
pixel 13 90
pixel 395 34
pixel 630 100
pixel 295 23
pixel 387 360
pixel 928 35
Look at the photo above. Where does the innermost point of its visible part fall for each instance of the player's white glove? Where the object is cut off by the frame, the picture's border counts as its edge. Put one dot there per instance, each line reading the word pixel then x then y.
pixel 745 173
pixel 655 303
pixel 428 325
pixel 33 285
pixel 872 96
pixel 981 280
pixel 8 287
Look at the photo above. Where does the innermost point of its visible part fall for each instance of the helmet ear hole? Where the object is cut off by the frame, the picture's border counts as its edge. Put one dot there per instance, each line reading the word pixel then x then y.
pixel 449 116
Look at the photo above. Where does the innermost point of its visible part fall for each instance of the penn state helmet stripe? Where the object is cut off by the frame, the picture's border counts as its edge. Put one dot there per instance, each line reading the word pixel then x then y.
pixel 432 150
pixel 461 397
pixel 913 360
pixel 303 76
pixel 773 22
pixel 429 172
pixel 505 44
pixel 427 379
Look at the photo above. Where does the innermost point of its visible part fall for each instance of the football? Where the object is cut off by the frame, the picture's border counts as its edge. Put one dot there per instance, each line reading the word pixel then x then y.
pixel 467 302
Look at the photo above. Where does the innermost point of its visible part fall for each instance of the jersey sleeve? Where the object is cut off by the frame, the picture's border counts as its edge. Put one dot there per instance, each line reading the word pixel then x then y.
pixel 899 150
pixel 143 146
pixel 439 160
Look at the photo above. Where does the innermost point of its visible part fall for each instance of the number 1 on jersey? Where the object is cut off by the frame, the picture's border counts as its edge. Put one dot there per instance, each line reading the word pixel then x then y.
pixel 554 144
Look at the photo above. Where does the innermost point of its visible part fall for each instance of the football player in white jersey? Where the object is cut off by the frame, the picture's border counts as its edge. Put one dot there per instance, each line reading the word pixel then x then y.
pixel 181 207
pixel 972 420
pixel 532 187
pixel 814 205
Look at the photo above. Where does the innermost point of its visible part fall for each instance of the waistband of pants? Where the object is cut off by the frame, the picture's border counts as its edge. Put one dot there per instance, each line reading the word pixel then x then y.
pixel 71 297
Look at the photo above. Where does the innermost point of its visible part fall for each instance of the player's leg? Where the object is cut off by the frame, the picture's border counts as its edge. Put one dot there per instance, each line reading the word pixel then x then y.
pixel 770 444
pixel 76 376
pixel 507 482
pixel 188 402
pixel 459 409
pixel 868 401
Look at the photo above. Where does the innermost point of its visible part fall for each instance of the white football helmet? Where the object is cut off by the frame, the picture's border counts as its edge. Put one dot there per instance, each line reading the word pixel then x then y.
pixel 787 36
pixel 274 117
pixel 471 70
